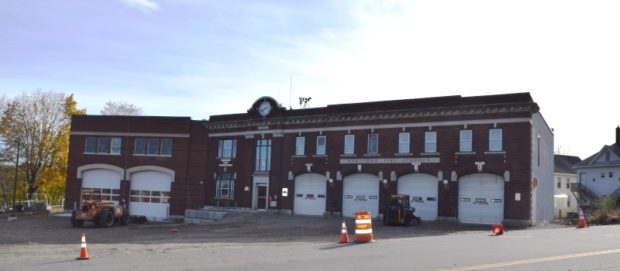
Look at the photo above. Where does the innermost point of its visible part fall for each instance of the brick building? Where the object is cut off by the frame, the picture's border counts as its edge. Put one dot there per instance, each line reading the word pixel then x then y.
pixel 485 159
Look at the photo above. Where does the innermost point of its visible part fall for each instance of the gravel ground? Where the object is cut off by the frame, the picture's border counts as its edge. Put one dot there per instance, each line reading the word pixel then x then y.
pixel 49 237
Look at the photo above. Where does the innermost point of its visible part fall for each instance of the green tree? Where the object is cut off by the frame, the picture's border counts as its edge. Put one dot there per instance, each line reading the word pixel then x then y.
pixel 40 121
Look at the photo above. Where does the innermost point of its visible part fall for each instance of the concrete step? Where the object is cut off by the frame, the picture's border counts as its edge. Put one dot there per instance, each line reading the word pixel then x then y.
pixel 204 214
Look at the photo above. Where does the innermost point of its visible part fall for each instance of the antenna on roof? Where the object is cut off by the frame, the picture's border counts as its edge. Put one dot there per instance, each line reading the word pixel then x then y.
pixel 290 91
pixel 303 101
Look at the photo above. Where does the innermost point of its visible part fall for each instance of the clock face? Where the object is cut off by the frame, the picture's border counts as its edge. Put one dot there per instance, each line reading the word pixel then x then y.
pixel 264 108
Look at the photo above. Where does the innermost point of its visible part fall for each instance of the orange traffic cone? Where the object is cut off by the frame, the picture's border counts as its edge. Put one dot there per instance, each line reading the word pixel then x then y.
pixel 83 250
pixel 498 229
pixel 344 236
pixel 582 220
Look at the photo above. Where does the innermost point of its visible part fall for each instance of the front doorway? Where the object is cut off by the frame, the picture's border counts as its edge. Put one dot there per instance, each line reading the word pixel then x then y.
pixel 260 194
pixel 261 204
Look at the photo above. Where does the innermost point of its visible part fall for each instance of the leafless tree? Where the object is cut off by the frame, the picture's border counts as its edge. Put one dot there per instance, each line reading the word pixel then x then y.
pixel 4 147
pixel 121 109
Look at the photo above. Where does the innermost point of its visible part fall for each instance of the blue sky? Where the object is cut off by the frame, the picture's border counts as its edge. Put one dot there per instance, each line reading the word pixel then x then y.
pixel 200 58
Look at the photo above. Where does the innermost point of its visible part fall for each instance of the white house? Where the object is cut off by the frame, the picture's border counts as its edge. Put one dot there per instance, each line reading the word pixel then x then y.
pixel 564 175
pixel 599 174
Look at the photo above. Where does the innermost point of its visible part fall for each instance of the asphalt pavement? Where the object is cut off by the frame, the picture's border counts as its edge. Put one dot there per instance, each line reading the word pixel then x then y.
pixel 563 248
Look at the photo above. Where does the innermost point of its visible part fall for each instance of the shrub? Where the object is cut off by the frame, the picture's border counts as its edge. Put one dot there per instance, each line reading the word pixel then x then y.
pixel 606 211
pixel 607 204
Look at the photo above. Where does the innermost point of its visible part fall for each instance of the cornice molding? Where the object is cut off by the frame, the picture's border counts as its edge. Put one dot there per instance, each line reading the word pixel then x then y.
pixel 328 118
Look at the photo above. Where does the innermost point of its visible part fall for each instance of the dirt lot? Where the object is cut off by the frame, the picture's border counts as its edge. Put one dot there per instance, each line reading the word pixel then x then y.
pixel 241 227
pixel 43 236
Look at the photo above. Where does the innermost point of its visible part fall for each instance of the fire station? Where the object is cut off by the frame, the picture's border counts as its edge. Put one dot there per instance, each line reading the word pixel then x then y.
pixel 482 159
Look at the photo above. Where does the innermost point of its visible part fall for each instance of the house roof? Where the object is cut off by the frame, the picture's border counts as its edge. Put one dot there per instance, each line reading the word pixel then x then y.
pixel 565 163
pixel 615 148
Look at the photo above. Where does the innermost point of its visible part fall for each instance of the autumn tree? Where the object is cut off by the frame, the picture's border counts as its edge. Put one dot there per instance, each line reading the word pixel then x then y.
pixel 40 121
pixel 5 163
pixel 121 109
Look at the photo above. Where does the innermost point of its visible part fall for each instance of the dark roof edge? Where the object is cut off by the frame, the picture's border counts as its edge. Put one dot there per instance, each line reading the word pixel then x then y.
pixel 129 117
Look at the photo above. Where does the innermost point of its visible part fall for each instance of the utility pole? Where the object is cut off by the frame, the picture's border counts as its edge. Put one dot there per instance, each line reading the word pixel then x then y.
pixel 13 216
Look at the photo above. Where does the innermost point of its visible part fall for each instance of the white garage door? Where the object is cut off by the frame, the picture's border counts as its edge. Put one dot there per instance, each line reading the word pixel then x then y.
pixel 481 198
pixel 104 181
pixel 310 194
pixel 150 195
pixel 360 192
pixel 422 191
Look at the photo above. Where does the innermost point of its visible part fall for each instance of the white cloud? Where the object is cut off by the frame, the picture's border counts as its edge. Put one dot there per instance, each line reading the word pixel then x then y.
pixel 143 5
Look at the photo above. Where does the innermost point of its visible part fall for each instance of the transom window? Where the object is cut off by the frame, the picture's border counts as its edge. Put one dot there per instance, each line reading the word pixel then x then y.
pixel 495 139
pixel 103 145
pixel 263 155
pixel 430 141
pixel 404 142
pixel 227 148
pixel 300 145
pixel 101 193
pixel 153 146
pixel 373 143
pixel 465 141
pixel 150 196
pixel 349 144
pixel 224 185
pixel 321 142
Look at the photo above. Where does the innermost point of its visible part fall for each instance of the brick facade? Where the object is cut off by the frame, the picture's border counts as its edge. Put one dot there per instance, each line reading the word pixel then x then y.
pixel 195 157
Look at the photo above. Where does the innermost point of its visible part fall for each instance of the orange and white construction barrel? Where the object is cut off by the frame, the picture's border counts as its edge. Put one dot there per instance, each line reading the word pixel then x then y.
pixel 363 226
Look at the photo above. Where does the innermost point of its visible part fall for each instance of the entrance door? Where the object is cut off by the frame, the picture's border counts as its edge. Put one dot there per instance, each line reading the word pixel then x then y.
pixel 262 197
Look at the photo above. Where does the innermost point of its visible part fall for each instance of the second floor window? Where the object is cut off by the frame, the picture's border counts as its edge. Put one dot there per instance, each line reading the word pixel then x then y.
pixel 166 146
pixel 115 145
pixel 321 143
pixel 153 146
pixel 373 143
pixel 263 155
pixel 430 141
pixel 465 141
pixel 91 144
pixel 403 142
pixel 349 144
pixel 103 145
pixel 227 148
pixel 495 139
pixel 300 145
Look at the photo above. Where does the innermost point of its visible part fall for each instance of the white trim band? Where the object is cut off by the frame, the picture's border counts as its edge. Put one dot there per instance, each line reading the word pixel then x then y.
pixel 367 231
pixel 368 127
pixel 362 221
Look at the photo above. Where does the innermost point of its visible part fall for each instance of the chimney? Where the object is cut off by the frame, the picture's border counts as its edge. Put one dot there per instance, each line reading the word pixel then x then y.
pixel 618 135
